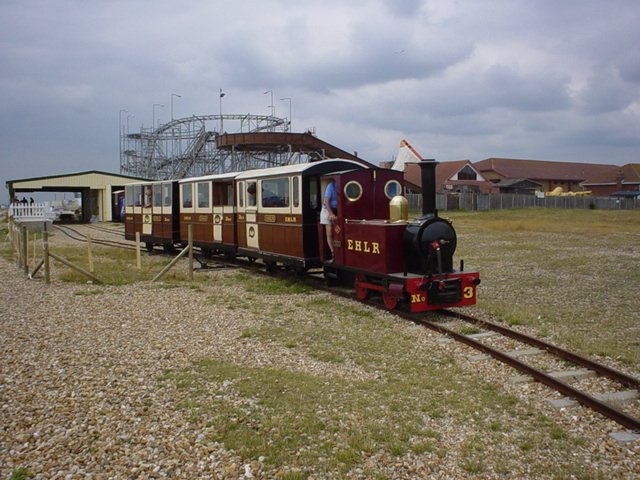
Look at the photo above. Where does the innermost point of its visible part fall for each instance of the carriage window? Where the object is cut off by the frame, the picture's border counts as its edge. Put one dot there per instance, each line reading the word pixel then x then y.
pixel 313 193
pixel 203 195
pixel 187 195
pixel 137 195
pixel 251 194
pixel 296 193
pixel 167 195
pixel 241 194
pixel 353 191
pixel 128 195
pixel 157 195
pixel 392 188
pixel 229 199
pixel 147 195
pixel 275 192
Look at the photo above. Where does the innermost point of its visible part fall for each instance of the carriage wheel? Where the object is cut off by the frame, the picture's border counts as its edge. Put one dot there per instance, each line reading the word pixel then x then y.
pixel 362 293
pixel 389 301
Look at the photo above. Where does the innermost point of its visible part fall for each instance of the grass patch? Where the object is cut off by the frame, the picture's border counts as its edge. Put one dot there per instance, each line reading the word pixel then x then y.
pixel 316 424
pixel 268 285
pixel 332 423
pixel 567 273
pixel 21 473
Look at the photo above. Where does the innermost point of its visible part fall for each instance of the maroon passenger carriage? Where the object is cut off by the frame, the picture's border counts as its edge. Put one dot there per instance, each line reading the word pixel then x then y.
pixel 278 212
pixel 151 211
pixel 207 204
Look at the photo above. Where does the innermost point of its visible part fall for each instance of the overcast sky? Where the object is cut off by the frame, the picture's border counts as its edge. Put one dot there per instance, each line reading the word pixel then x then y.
pixel 459 79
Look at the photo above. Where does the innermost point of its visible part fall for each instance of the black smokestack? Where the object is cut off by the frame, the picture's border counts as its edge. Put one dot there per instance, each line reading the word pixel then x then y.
pixel 428 176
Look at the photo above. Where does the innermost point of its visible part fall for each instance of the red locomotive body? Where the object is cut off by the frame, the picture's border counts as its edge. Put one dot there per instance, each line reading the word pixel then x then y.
pixel 408 262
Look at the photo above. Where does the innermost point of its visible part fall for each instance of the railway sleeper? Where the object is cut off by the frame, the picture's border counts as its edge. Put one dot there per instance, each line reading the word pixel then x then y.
pixel 615 398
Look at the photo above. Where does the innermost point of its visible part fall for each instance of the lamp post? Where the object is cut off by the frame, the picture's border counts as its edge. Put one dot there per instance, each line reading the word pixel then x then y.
pixel 222 94
pixel 153 125
pixel 173 95
pixel 121 137
pixel 128 117
pixel 273 108
pixel 122 110
pixel 289 99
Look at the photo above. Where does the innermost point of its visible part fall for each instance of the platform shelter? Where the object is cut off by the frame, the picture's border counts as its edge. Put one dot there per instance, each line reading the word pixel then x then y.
pixel 96 190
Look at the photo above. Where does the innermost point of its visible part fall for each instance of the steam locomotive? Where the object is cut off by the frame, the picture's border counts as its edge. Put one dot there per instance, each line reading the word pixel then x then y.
pixel 272 215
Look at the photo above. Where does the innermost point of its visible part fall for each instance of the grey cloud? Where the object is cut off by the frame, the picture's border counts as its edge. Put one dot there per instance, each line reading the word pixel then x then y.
pixel 606 91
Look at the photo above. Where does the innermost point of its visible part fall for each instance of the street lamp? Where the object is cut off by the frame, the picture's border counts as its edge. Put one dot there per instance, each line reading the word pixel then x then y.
pixel 122 110
pixel 222 94
pixel 289 99
pixel 153 124
pixel 121 139
pixel 128 117
pixel 173 95
pixel 273 108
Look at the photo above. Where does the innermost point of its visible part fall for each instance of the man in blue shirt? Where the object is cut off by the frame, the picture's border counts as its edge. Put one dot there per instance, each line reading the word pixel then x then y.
pixel 329 212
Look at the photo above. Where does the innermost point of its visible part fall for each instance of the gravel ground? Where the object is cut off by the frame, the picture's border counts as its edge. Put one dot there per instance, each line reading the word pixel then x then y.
pixel 80 396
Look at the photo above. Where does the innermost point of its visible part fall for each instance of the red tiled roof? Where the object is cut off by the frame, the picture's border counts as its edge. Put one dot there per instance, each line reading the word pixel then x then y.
pixel 544 170
pixel 629 173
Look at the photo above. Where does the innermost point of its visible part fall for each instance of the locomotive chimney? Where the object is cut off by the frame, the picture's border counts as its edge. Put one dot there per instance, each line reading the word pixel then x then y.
pixel 428 177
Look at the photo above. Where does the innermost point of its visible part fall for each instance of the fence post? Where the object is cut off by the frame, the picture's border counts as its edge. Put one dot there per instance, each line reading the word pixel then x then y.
pixel 89 252
pixel 45 247
pixel 190 236
pixel 25 248
pixel 138 260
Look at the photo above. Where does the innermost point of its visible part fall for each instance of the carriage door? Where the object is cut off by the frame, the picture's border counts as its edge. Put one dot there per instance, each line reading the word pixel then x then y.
pixel 251 215
pixel 220 201
pixel 147 211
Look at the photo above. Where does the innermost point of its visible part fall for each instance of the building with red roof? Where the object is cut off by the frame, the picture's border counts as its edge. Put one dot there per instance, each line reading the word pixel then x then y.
pixel 568 175
pixel 624 179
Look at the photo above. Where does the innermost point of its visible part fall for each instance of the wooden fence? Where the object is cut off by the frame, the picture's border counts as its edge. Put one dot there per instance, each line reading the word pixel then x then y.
pixel 481 202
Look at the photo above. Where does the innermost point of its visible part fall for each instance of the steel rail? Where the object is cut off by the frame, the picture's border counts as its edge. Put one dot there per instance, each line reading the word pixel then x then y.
pixel 81 237
pixel 603 370
pixel 564 388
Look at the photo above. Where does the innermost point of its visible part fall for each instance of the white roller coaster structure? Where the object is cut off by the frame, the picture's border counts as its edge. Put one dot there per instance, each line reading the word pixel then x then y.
pixel 188 147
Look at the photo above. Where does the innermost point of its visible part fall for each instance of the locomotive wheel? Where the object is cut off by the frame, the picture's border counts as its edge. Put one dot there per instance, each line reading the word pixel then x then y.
pixel 389 301
pixel 270 267
pixel 149 246
pixel 362 293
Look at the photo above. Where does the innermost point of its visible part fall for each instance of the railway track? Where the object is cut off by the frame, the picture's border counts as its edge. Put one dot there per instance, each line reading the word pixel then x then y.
pixel 75 234
pixel 558 381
